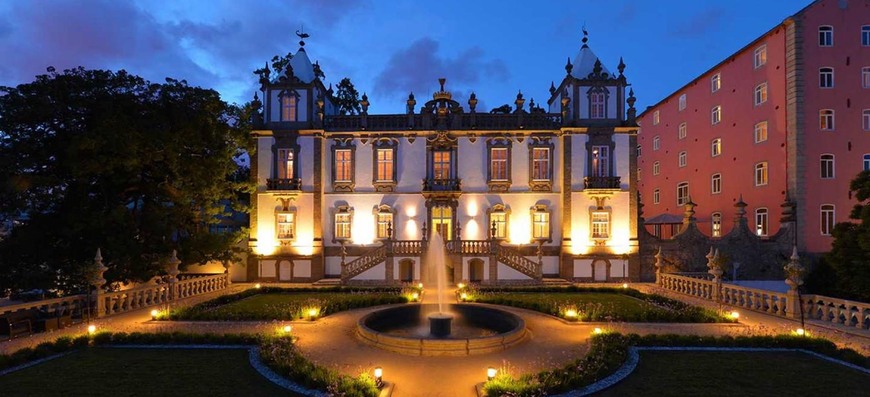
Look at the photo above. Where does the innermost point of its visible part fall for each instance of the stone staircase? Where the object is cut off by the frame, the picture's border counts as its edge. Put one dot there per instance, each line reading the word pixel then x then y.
pixel 366 261
pixel 556 282
pixel 327 282
pixel 514 259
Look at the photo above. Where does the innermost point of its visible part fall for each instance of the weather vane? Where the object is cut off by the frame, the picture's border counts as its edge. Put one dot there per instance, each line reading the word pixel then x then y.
pixel 585 34
pixel 302 35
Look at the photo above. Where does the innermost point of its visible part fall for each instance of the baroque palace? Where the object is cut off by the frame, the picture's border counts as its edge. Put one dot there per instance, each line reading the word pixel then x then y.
pixel 518 195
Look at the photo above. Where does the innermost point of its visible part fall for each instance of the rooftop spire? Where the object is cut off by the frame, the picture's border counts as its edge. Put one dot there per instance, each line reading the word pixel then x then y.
pixel 585 37
pixel 302 36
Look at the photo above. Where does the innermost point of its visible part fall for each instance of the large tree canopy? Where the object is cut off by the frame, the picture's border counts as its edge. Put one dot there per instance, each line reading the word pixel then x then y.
pixel 95 158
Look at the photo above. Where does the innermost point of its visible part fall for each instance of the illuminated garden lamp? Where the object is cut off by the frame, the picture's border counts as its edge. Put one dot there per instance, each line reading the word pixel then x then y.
pixel 734 315
pixel 379 377
pixel 571 313
pixel 287 329
pixel 92 329
pixel 463 296
pixel 800 332
pixel 257 285
pixel 490 373
pixel 415 296
pixel 460 285
pixel 420 285
pixel 154 314
pixel 312 313
pixel 597 331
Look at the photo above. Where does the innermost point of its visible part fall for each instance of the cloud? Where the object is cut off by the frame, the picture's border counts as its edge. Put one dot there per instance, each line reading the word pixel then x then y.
pixel 418 67
pixel 705 21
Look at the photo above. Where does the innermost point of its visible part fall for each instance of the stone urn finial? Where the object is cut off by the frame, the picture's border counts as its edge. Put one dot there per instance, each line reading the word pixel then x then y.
pixel 97 279
pixel 714 263
pixel 794 271
pixel 173 267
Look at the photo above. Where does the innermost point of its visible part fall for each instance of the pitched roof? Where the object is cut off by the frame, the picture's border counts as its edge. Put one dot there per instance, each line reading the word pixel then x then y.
pixel 584 62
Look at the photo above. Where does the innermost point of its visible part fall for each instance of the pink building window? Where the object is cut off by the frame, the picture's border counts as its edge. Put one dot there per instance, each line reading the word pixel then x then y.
pixel 288 107
pixel 827 219
pixel 826 36
pixel 826 162
pixel 865 77
pixel 285 164
pixel 656 196
pixel 715 82
pixel 826 78
pixel 826 119
pixel 716 184
pixel 716 115
pixel 716 223
pixel 682 193
pixel 761 174
pixel 865 35
pixel 866 122
pixel 761 222
pixel 761 132
pixel 760 57
pixel 681 131
pixel 760 94
pixel 656 168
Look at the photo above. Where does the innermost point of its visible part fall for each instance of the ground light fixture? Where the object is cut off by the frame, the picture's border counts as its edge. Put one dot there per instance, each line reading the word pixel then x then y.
pixel 257 286
pixel 287 329
pixel 154 314
pixel 312 313
pixel 800 332
pixel 735 315
pixel 420 285
pixel 463 296
pixel 624 285
pixel 415 296
pixel 597 331
pixel 571 313
pixel 490 373
pixel 92 329
pixel 379 377
pixel 460 285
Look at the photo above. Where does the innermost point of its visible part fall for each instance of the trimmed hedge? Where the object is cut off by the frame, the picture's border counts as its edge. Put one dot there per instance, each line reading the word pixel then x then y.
pixel 608 352
pixel 277 352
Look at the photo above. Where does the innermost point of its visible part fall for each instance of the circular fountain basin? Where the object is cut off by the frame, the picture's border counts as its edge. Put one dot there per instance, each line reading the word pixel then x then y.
pixel 475 330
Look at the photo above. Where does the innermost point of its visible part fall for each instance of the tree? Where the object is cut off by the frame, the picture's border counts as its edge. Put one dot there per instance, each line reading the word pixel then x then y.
pixel 347 97
pixel 849 257
pixel 95 158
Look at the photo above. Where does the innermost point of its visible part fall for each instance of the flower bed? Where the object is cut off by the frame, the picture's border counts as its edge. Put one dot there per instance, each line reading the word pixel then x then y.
pixel 284 304
pixel 597 304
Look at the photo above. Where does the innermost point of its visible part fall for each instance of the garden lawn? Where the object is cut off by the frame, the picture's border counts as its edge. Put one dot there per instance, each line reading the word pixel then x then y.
pixel 143 372
pixel 687 373
pixel 284 305
pixel 613 305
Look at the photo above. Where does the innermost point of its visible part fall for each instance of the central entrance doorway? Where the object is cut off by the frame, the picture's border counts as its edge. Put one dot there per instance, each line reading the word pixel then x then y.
pixel 442 221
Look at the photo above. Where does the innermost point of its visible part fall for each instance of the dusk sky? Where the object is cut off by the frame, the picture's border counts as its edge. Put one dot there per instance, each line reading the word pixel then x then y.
pixel 387 48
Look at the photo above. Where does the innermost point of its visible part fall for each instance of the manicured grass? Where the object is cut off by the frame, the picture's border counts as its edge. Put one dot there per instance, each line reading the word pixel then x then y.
pixel 604 305
pixel 666 373
pixel 284 305
pixel 142 372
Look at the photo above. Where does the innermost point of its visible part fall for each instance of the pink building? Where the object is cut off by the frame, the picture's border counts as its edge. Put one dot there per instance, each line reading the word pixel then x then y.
pixel 784 119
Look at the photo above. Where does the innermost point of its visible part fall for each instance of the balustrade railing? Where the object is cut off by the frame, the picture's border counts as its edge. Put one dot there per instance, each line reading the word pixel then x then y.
pixel 601 182
pixel 837 311
pixel 513 258
pixel 284 184
pixel 407 247
pixel 75 304
pixel 364 262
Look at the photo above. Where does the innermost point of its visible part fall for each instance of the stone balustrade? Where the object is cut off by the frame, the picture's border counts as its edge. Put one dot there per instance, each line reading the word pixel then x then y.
pixel 837 311
pixel 759 300
pixel 67 304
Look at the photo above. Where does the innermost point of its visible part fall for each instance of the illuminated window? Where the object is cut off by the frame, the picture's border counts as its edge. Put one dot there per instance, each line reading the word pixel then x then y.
pixel 498 219
pixel 656 168
pixel 827 166
pixel 760 57
pixel 826 77
pixel 716 224
pixel 761 132
pixel 498 164
pixel 656 196
pixel 600 224
pixel 761 174
pixel 715 82
pixel 596 105
pixel 385 165
pixel 343 165
pixel 827 221
pixel 716 115
pixel 343 218
pixel 760 94
pixel 285 225
pixel 288 107
pixel 865 36
pixel 600 161
pixel 826 36
pixel 681 131
pixel 385 221
pixel 285 164
pixel 540 164
pixel 826 120
pixel 716 184
pixel 682 102
pixel 656 117
pixel 540 223
pixel 761 222
pixel 638 173
pixel 656 142
pixel 683 158
pixel 716 147
pixel 682 193
pixel 441 164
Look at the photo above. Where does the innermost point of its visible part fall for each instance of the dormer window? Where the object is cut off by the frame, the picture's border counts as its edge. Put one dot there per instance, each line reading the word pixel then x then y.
pixel 596 105
pixel 289 109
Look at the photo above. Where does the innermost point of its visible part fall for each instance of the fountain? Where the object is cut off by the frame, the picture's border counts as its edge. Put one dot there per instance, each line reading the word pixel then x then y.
pixel 440 328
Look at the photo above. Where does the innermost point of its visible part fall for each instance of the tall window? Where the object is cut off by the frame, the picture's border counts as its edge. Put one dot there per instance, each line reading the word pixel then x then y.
pixel 761 174
pixel 385 165
pixel 498 163
pixel 827 221
pixel 600 224
pixel 826 36
pixel 385 222
pixel 285 163
pixel 826 120
pixel 596 102
pixel 343 165
pixel 682 193
pixel 540 164
pixel 716 224
pixel 342 224
pixel 716 147
pixel 656 142
pixel 827 166
pixel 498 218
pixel 716 184
pixel 638 173
pixel 540 222
pixel 865 77
pixel 867 162
pixel 826 77
pixel 656 168
pixel 682 102
pixel 865 35
pixel 760 94
pixel 288 107
pixel 760 57
pixel 715 82
pixel 716 115
pixel 761 222
pixel 656 117
pixel 638 151
pixel 441 164
pixel 761 132
pixel 866 123
pixel 601 161
pixel 681 131
pixel 683 158
pixel 656 196
pixel 284 225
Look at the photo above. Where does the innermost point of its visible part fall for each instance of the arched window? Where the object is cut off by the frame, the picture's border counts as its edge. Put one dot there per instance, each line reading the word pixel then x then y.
pixel 498 225
pixel 826 77
pixel 716 147
pixel 826 119
pixel 683 158
pixel 761 174
pixel 384 218
pixel 681 131
pixel 867 162
pixel 826 36
pixel 716 224
pixel 761 222
pixel 760 94
pixel 865 35
pixel 682 193
pixel 716 184
pixel 827 166
pixel 827 219
pixel 656 168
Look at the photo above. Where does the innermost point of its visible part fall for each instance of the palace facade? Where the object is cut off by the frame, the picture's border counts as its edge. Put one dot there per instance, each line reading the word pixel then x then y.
pixel 520 195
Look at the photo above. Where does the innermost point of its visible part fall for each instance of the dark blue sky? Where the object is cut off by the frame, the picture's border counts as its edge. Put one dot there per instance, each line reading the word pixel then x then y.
pixel 387 48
